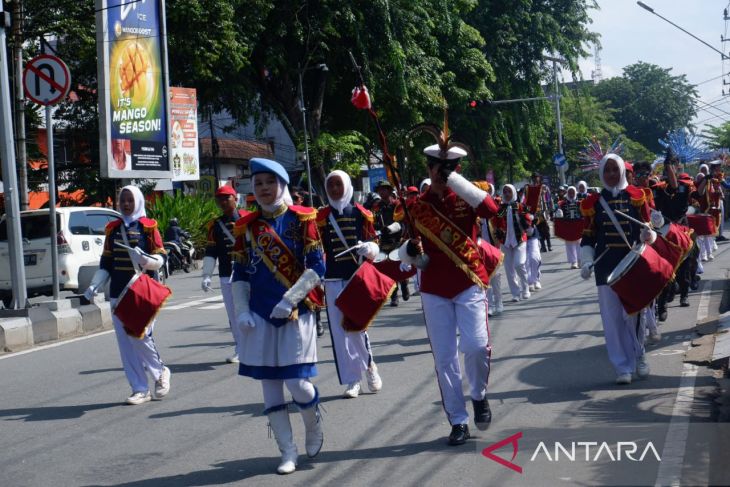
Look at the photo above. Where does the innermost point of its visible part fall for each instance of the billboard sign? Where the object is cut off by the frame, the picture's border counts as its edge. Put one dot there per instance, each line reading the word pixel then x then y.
pixel 184 154
pixel 133 87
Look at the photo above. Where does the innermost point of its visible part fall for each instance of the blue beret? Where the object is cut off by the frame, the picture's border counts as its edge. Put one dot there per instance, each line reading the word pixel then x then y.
pixel 258 165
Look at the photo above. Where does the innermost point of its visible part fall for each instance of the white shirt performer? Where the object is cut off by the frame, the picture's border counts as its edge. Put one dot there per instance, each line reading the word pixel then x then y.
pixel 139 355
pixel 453 284
pixel 342 226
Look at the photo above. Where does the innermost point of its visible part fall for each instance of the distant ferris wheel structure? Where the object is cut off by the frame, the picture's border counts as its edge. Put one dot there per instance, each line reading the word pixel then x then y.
pixel 597 74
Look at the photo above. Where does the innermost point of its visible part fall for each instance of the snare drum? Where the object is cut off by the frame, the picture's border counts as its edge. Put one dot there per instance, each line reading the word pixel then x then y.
pixel 674 243
pixel 380 257
pixel 363 296
pixel 568 230
pixel 703 224
pixel 640 277
pixel 139 303
pixel 393 255
pixel 491 256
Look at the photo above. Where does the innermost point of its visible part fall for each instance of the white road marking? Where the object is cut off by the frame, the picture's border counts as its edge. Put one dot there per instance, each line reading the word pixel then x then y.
pixel 54 345
pixel 188 304
pixel 213 306
pixel 675 443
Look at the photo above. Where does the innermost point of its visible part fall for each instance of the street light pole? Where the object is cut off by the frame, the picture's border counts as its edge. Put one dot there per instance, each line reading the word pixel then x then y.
pixel 651 10
pixel 322 67
pixel 306 142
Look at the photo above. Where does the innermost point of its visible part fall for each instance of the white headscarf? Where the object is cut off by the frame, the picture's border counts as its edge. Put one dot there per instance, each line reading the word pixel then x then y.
pixel 342 203
pixel 584 184
pixel 567 193
pixel 705 167
pixel 139 210
pixel 514 193
pixel 282 197
pixel 622 183
pixel 510 239
pixel 425 182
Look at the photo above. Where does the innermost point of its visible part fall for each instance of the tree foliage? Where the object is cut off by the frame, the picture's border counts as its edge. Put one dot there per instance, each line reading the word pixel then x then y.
pixel 649 101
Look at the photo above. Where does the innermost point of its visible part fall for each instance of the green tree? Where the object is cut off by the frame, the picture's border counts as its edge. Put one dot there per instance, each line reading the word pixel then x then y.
pixel 718 137
pixel 649 101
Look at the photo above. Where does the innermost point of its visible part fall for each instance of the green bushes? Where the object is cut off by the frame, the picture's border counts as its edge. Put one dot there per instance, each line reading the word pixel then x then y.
pixel 193 212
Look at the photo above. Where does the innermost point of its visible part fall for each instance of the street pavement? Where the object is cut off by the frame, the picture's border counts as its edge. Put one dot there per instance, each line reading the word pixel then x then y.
pixel 63 422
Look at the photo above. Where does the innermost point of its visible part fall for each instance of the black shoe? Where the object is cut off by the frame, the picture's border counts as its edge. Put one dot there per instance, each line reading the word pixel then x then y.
pixel 721 238
pixel 393 303
pixel 406 293
pixel 684 302
pixel 663 315
pixel 543 249
pixel 320 329
pixel 459 434
pixel 482 413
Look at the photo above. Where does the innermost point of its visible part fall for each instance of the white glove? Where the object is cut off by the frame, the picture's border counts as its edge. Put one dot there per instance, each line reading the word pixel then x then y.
pixel 306 282
pixel 241 291
pixel 97 282
pixel 369 250
pixel 404 267
pixel 587 254
pixel 558 213
pixel 138 257
pixel 466 190
pixel 245 320
pixel 282 310
pixel 205 284
pixel 657 219
pixel 647 235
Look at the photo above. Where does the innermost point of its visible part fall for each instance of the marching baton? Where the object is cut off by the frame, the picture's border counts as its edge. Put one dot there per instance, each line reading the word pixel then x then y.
pixel 643 224
pixel 354 247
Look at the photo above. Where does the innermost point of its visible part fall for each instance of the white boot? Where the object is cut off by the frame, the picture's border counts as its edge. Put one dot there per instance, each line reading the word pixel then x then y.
pixel 314 436
pixel 279 422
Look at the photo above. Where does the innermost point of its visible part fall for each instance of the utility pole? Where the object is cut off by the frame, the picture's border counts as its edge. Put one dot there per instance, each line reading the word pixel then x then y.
pixel 22 157
pixel 558 125
pixel 10 180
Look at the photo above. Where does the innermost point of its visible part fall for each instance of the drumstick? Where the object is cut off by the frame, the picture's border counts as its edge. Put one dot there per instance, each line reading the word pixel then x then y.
pixel 599 258
pixel 120 244
pixel 355 247
pixel 643 224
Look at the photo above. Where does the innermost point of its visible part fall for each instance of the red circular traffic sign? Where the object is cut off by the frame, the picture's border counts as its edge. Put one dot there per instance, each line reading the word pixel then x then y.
pixel 46 80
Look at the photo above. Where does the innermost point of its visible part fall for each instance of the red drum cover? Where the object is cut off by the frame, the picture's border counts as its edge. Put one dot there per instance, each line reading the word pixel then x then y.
pixel 639 282
pixel 363 296
pixel 675 244
pixel 491 256
pixel 569 230
pixel 139 304
pixel 702 224
pixel 391 268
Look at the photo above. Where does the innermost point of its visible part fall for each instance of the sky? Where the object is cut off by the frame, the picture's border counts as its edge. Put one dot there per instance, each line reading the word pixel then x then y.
pixel 630 34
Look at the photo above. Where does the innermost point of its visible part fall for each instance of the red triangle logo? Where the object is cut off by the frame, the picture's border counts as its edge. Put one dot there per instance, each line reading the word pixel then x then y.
pixel 513 440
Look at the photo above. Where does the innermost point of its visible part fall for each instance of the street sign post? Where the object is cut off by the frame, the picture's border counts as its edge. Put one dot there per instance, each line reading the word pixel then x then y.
pixel 47 81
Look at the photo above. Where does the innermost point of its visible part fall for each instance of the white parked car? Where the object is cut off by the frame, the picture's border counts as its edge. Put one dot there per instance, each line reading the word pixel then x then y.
pixel 80 243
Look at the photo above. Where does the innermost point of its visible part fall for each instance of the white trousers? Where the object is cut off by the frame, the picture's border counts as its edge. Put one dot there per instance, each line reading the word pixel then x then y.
pixel 572 250
pixel 352 350
pixel 227 292
pixel 624 334
pixel 301 390
pixel 648 315
pixel 705 243
pixel 137 355
pixel 494 293
pixel 533 260
pixel 467 314
pixel 515 259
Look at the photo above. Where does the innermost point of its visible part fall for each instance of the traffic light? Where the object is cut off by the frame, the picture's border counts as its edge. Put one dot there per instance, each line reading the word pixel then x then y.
pixel 477 103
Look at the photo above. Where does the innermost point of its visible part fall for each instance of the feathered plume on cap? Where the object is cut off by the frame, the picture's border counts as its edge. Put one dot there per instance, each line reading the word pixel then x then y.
pixel 445 148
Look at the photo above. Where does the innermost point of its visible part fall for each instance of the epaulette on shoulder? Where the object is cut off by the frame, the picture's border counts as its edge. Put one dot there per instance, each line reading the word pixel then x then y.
pixel 304 213
pixel 367 214
pixel 239 228
pixel 112 225
pixel 322 215
pixel 588 205
pixel 148 223
pixel 637 195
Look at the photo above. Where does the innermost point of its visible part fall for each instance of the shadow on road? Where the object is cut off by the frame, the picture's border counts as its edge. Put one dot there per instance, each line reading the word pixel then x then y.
pixel 235 410
pixel 52 413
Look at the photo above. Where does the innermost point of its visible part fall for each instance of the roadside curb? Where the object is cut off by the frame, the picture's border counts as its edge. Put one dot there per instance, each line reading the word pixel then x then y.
pixel 52 321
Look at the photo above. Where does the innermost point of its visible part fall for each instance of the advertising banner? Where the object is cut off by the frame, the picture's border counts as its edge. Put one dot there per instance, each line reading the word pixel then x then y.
pixel 133 103
pixel 184 134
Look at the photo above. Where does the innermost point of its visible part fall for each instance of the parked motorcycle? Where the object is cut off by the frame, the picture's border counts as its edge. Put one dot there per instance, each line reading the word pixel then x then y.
pixel 179 254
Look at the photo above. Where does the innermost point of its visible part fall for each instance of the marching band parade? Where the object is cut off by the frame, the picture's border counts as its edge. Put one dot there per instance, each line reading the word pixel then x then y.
pixel 350 294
